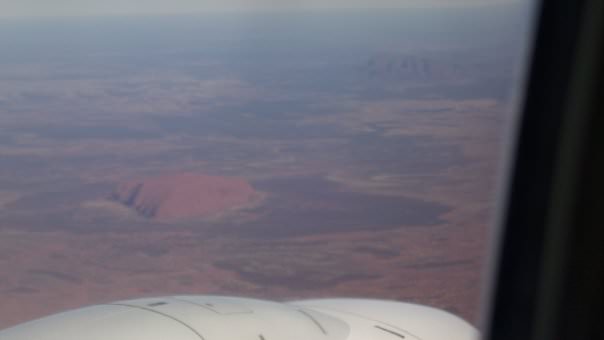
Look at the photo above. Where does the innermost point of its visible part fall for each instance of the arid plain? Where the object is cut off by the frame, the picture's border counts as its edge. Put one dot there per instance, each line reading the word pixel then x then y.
pixel 330 175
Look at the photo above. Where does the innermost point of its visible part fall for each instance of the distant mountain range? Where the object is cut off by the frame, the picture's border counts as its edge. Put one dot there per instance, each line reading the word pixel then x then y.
pixel 453 76
pixel 400 66
pixel 410 68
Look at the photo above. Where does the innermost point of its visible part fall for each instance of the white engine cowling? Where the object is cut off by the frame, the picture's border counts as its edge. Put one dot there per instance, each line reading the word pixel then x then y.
pixel 229 318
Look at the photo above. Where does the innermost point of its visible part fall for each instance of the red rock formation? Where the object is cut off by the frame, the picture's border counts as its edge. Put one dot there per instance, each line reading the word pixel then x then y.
pixel 183 196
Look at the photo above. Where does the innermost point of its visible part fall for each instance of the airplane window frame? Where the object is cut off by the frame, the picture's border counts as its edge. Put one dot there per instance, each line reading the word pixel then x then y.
pixel 550 260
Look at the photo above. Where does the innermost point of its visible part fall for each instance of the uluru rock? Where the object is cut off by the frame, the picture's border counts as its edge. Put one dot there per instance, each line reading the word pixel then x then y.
pixel 184 196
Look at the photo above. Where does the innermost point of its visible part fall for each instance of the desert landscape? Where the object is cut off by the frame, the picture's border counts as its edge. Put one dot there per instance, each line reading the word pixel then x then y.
pixel 249 161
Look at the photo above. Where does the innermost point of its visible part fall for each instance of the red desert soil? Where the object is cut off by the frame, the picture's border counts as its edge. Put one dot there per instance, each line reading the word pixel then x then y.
pixel 184 196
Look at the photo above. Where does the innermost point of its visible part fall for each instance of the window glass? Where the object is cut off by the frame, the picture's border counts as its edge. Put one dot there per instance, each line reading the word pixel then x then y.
pixel 283 150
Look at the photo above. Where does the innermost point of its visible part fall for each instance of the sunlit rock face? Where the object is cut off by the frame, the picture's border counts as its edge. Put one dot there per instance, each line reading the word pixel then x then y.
pixel 184 195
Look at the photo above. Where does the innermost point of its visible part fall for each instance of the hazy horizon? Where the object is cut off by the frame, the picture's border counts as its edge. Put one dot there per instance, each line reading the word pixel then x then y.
pixel 58 8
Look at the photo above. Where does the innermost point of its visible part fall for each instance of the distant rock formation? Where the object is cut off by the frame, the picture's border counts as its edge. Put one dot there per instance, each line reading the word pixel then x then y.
pixel 408 68
pixel 183 196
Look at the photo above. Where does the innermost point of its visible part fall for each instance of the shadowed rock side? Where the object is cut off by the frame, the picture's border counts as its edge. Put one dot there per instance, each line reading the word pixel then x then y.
pixel 183 196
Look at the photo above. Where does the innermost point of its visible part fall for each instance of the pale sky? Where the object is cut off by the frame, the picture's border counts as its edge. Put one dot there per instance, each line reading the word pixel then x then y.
pixel 27 8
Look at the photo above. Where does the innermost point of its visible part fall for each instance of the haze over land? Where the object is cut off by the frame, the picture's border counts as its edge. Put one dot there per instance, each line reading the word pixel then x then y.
pixel 277 155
